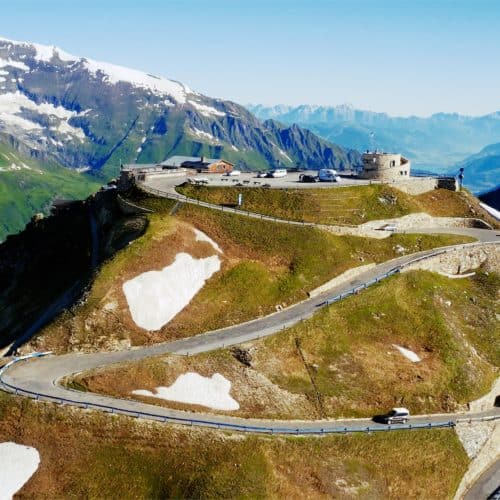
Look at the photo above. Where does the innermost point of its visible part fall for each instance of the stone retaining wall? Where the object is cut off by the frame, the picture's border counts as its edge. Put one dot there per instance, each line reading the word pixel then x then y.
pixel 423 220
pixel 462 260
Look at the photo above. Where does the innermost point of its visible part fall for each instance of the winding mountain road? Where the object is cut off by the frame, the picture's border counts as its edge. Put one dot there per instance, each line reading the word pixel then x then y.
pixel 40 378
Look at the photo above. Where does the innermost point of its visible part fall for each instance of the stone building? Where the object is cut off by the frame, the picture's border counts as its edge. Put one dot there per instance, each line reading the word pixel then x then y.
pixel 387 167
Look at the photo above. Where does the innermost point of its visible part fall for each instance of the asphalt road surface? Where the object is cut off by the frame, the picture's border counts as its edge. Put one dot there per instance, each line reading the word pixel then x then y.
pixel 486 485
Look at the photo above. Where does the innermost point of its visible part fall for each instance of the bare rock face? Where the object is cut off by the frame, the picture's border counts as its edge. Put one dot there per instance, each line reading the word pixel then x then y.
pixel 47 267
pixel 242 355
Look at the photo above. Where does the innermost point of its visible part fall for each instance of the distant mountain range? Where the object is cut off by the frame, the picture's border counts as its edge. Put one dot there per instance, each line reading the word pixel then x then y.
pixel 81 114
pixel 482 170
pixel 437 143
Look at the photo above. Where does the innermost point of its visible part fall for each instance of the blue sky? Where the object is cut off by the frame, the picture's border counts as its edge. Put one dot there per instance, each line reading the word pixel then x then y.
pixel 402 57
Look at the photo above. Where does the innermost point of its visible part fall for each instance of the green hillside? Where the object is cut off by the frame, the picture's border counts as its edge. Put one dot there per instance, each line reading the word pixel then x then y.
pixel 92 455
pixel 342 362
pixel 265 264
pixel 28 186
pixel 342 205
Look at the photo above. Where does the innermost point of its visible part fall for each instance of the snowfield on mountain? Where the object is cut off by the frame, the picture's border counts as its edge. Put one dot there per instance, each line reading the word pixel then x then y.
pixel 407 353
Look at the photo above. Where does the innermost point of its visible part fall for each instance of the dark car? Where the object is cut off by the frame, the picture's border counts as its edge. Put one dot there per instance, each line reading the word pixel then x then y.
pixel 307 178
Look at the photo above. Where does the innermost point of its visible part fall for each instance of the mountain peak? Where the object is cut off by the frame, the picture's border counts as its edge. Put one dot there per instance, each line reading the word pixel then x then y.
pixel 30 54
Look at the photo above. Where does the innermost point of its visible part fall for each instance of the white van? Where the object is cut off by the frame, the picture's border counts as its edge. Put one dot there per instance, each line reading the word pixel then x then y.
pixel 327 175
pixel 397 416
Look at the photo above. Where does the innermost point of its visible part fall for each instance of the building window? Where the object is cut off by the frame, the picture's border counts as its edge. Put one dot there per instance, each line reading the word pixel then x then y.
pixel 393 163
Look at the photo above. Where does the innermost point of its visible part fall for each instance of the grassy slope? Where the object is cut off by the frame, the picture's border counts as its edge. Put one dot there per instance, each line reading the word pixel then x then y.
pixel 92 455
pixel 265 264
pixel 25 192
pixel 341 205
pixel 346 365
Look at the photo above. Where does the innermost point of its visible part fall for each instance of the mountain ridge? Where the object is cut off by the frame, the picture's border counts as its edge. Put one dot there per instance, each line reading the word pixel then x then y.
pixel 67 111
pixel 437 143
pixel 89 114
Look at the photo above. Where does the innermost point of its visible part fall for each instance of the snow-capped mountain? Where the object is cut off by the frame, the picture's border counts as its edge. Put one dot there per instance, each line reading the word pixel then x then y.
pixel 90 115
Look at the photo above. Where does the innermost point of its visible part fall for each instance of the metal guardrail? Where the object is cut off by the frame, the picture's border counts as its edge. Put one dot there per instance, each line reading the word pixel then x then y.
pixel 246 213
pixel 398 269
pixel 221 425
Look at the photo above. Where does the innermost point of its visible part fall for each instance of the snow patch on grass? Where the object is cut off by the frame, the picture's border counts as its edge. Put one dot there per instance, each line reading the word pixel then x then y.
pixel 155 297
pixel 413 357
pixel 17 464
pixel 201 236
pixel 456 276
pixel 192 388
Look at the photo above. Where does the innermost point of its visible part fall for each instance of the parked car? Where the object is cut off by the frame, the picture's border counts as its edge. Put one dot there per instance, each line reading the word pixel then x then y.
pixel 395 416
pixel 260 175
pixel 307 178
pixel 233 172
pixel 278 172
pixel 327 175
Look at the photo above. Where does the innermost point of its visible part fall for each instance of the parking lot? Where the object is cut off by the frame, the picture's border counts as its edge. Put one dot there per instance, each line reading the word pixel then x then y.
pixel 250 179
